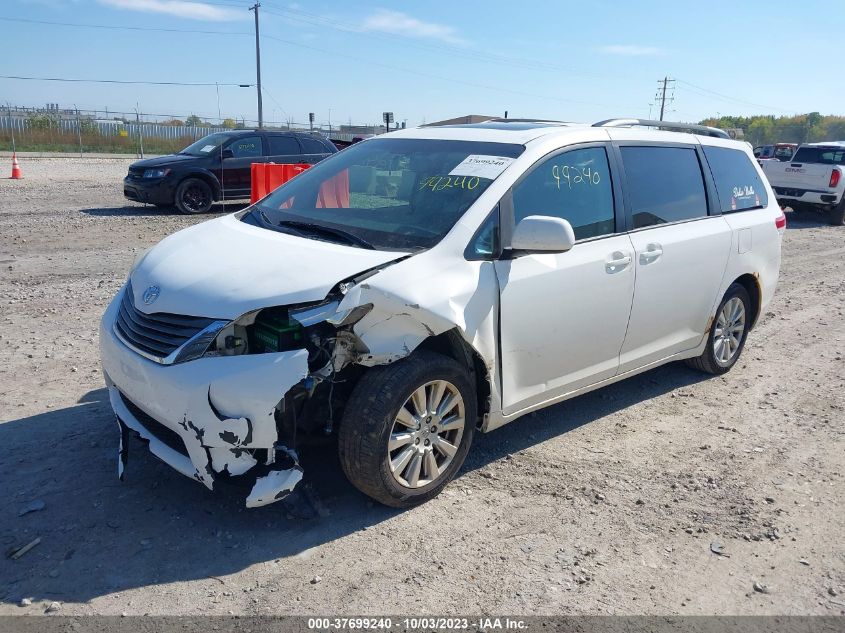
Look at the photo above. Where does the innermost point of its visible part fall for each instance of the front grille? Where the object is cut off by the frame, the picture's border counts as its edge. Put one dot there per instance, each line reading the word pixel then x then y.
pixel 135 172
pixel 165 435
pixel 157 334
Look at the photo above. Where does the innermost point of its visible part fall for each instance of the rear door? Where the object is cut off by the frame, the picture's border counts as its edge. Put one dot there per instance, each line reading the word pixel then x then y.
pixel 563 315
pixel 681 247
pixel 237 175
pixel 283 148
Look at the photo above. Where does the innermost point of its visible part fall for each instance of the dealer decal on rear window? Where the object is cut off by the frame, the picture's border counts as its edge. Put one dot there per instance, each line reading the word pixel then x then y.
pixel 744 195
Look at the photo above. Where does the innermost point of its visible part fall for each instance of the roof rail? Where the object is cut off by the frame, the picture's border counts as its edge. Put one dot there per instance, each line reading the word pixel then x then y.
pixel 501 120
pixel 704 130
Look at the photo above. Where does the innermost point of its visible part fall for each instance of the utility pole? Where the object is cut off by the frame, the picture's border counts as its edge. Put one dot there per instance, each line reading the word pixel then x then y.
pixel 258 66
pixel 662 96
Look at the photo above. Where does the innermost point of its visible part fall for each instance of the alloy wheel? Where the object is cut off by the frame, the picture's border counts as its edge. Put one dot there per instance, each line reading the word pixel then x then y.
pixel 728 332
pixel 426 434
pixel 195 198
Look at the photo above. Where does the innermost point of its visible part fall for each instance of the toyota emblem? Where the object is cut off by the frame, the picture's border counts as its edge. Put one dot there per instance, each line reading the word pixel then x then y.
pixel 151 294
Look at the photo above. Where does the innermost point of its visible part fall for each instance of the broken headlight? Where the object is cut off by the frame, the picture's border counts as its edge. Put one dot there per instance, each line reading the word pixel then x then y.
pixel 281 329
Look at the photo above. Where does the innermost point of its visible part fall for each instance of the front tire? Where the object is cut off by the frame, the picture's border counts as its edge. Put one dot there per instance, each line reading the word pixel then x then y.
pixel 193 196
pixel 726 339
pixel 407 428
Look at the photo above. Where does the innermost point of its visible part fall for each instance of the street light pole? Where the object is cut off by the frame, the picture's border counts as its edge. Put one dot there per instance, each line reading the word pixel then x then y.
pixel 258 66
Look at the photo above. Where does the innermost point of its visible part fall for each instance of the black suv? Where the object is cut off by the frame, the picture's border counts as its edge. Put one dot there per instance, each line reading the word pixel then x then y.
pixel 217 167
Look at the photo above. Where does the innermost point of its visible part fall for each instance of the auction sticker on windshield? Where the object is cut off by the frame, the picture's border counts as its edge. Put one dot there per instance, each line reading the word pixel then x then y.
pixel 482 166
pixel 207 149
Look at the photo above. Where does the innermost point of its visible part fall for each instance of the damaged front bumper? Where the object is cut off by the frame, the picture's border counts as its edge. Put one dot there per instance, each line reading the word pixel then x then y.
pixel 208 418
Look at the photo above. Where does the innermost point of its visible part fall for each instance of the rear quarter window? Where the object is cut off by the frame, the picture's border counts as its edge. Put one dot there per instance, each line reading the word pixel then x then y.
pixel 738 183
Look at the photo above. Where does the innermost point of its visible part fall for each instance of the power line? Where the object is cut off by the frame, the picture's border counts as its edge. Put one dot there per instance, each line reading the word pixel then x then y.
pixel 700 89
pixel 124 81
pixel 312 19
pixel 121 28
pixel 432 76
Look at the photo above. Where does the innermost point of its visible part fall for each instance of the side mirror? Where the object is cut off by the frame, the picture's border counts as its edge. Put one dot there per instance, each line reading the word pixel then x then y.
pixel 227 153
pixel 543 234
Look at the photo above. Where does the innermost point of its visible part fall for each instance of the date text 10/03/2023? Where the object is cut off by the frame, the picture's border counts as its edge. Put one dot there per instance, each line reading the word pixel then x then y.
pixel 426 623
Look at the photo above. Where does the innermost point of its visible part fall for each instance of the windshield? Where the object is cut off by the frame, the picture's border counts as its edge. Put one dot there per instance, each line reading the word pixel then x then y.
pixel 206 144
pixel 389 194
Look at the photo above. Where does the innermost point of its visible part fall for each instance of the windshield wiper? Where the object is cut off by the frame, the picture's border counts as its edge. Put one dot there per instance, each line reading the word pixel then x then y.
pixel 319 229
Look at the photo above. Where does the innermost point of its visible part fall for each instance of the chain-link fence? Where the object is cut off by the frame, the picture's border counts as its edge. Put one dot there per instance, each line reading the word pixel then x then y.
pixel 78 131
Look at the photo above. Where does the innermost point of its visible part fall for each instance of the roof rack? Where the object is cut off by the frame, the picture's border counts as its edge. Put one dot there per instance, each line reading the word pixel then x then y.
pixel 704 130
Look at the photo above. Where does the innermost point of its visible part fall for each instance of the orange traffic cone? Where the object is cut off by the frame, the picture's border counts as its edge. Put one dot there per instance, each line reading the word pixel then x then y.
pixel 16 169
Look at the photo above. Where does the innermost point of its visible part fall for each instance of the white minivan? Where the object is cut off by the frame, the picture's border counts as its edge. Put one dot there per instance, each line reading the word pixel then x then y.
pixel 432 282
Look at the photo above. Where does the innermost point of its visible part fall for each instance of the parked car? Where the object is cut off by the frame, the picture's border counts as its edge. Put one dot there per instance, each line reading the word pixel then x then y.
pixel 812 180
pixel 779 151
pixel 217 167
pixel 430 283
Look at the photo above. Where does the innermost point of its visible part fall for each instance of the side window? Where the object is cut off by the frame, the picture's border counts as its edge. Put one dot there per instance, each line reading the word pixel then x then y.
pixel 246 147
pixel 737 182
pixel 665 184
pixel 486 242
pixel 575 186
pixel 312 146
pixel 283 146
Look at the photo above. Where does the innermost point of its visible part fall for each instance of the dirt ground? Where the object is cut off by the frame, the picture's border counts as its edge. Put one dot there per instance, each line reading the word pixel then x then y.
pixel 608 503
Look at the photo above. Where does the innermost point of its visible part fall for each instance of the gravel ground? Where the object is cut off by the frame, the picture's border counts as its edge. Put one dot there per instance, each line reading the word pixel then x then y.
pixel 609 503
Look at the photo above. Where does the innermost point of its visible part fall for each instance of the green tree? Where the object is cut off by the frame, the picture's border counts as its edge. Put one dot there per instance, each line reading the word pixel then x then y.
pixel 229 124
pixel 193 121
pixel 768 129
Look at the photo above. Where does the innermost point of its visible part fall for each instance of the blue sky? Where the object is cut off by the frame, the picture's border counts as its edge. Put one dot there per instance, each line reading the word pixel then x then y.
pixel 425 61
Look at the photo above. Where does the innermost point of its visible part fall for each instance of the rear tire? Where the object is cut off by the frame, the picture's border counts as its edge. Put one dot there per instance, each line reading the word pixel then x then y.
pixel 836 216
pixel 727 335
pixel 193 196
pixel 391 452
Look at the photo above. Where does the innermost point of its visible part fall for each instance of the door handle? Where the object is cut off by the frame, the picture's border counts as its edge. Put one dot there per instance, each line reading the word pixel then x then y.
pixel 651 254
pixel 618 262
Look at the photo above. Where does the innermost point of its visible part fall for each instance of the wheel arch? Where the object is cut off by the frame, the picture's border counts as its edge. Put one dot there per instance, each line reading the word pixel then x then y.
pixel 450 343
pixel 206 176
pixel 751 283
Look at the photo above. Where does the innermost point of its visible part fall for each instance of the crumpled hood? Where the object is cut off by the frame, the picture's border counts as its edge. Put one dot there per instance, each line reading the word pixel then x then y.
pixel 224 268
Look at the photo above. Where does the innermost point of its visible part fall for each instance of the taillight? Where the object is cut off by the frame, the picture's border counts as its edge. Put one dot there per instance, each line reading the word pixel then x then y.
pixel 834 178
pixel 780 221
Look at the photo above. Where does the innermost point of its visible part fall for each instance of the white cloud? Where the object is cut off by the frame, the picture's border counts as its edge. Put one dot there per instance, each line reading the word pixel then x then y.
pixel 398 23
pixel 629 50
pixel 179 8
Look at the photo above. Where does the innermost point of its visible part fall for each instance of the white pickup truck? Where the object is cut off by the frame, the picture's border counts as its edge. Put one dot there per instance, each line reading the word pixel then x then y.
pixel 814 179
